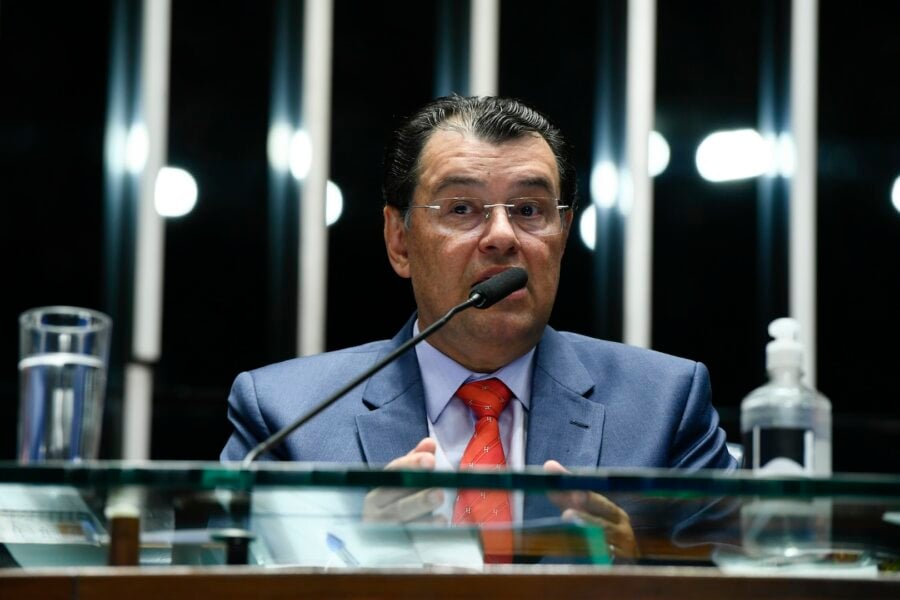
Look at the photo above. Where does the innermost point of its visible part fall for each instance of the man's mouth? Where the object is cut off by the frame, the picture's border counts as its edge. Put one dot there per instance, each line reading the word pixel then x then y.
pixel 488 274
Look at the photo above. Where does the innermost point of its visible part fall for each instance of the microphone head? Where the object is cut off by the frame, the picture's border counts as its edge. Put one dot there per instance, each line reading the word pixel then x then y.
pixel 493 290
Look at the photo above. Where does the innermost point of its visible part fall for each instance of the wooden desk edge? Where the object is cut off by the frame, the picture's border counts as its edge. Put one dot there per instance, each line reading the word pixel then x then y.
pixel 539 582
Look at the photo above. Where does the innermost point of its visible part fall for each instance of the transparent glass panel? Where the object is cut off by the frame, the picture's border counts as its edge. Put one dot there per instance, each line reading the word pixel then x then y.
pixel 288 514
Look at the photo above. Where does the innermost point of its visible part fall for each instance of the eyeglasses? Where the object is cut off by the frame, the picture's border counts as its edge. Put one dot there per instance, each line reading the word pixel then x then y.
pixel 535 215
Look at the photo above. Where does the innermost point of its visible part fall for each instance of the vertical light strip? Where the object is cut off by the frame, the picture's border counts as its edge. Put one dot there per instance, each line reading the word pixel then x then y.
pixel 485 48
pixel 802 283
pixel 638 196
pixel 313 247
pixel 138 409
pixel 148 276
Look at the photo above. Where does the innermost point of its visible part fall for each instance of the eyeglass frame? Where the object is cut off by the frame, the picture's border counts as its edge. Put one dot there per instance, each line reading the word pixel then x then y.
pixel 488 209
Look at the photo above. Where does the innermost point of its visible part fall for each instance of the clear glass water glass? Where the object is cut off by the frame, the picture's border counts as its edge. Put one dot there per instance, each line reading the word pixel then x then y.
pixel 63 362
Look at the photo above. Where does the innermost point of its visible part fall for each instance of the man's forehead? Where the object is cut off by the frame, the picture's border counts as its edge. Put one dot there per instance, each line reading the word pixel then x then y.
pixel 451 156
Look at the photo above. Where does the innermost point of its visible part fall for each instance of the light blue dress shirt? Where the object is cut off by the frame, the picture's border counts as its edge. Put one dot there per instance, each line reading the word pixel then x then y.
pixel 451 423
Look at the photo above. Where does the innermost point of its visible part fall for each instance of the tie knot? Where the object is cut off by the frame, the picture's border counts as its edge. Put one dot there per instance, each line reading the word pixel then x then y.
pixel 486 398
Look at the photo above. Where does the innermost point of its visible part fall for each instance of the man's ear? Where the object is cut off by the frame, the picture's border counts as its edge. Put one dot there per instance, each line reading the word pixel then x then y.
pixel 395 240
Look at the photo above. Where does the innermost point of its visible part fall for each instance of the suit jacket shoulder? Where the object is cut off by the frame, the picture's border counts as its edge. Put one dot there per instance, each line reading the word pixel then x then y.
pixel 376 421
pixel 636 407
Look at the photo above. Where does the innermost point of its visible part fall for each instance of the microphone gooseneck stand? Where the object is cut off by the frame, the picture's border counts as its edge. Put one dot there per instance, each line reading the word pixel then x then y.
pixel 483 295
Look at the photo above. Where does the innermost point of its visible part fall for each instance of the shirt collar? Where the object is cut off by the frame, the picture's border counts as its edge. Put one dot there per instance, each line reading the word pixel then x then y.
pixel 442 376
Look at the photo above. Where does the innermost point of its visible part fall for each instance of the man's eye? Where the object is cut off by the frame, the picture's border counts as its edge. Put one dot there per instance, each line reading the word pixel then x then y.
pixel 529 210
pixel 460 208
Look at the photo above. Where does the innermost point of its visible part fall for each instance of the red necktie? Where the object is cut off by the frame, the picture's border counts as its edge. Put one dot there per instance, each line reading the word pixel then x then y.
pixel 486 399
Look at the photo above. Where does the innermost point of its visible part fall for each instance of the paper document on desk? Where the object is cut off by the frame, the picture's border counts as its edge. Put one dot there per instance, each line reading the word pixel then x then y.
pixel 324 528
pixel 46 526
pixel 414 545
pixel 292 526
pixel 419 544
pixel 46 515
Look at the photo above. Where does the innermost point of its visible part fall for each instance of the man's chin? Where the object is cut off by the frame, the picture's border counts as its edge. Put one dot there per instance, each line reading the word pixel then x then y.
pixel 499 325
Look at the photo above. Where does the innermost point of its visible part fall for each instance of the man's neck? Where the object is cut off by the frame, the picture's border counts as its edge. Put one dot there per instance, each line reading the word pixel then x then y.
pixel 478 356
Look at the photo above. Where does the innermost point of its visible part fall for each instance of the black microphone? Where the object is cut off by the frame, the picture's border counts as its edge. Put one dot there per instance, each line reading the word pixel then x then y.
pixel 491 291
pixel 483 295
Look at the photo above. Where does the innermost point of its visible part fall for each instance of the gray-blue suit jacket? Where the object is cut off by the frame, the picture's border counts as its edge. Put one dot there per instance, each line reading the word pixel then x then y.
pixel 594 403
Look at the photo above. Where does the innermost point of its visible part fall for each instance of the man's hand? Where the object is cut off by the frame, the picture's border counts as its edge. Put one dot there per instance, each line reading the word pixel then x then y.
pixel 591 507
pixel 403 505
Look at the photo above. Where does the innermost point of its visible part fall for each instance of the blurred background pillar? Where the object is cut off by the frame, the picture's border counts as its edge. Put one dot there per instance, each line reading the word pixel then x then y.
pixel 637 197
pixel 804 95
pixel 485 47
pixel 316 119
pixel 148 275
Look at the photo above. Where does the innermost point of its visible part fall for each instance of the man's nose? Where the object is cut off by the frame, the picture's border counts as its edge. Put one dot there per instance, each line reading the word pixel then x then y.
pixel 499 231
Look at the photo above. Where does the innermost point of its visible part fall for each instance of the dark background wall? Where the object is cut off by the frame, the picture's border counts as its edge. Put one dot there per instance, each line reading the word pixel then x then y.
pixel 218 317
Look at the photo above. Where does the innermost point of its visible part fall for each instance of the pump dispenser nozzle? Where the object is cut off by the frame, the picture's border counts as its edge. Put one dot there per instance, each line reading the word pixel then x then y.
pixel 785 350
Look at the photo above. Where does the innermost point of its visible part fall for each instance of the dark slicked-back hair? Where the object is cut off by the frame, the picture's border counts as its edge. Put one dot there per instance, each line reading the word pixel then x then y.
pixel 487 118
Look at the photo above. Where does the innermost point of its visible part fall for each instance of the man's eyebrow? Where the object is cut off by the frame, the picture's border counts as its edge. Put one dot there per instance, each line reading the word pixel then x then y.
pixel 456 180
pixel 537 182
pixel 525 182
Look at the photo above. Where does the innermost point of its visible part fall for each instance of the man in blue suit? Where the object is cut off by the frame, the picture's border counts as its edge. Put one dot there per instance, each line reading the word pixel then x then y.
pixel 475 186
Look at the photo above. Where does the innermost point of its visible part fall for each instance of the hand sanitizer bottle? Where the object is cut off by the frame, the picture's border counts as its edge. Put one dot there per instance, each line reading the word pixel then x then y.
pixel 786 431
pixel 785 424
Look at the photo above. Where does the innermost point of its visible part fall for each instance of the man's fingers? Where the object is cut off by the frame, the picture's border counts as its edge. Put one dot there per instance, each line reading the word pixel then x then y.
pixel 413 460
pixel 593 508
pixel 420 457
pixel 404 504
pixel 620 536
pixel 603 507
pixel 552 466
pixel 401 505
pixel 419 504
pixel 590 502
pixel 563 500
pixel 381 497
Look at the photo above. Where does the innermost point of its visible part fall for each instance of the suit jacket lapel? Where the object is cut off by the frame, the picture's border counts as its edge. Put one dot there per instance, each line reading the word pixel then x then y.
pixel 397 420
pixel 563 423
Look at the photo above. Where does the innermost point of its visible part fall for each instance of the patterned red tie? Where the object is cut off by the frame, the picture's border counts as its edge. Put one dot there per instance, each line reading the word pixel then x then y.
pixel 486 399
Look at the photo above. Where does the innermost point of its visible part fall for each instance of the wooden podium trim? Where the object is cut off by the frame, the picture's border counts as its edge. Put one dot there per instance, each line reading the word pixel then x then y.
pixel 505 581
